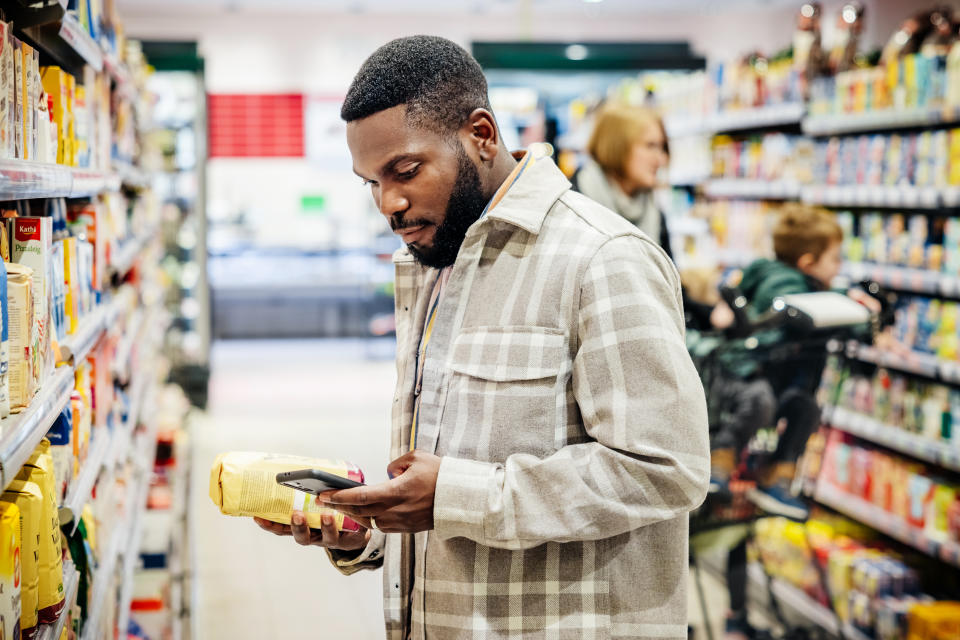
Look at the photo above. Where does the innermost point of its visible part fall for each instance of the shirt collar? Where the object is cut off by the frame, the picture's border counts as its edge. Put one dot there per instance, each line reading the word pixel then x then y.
pixel 529 192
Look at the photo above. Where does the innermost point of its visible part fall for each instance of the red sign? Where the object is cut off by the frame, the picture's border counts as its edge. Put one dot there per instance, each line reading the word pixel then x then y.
pixel 255 126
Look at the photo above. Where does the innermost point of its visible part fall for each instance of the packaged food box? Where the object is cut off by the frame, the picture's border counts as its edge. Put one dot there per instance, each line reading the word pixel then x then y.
pixel 28 498
pixel 9 571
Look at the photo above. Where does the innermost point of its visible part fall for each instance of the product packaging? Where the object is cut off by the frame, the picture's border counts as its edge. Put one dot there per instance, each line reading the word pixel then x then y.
pixel 55 85
pixel 18 104
pixel 71 284
pixel 39 470
pixel 244 484
pixel 4 343
pixel 61 440
pixel 88 222
pixel 32 246
pixel 9 571
pixel 20 328
pixel 58 291
pixel 28 98
pixel 8 96
pixel 28 498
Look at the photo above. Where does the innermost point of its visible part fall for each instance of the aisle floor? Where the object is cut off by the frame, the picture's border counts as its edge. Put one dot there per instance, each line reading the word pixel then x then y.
pixel 315 398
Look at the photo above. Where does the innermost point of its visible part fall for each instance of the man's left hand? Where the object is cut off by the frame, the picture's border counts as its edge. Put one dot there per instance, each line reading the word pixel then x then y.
pixel 403 504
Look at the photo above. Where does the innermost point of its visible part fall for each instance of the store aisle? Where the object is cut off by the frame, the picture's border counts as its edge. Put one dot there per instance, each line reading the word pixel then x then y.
pixel 315 398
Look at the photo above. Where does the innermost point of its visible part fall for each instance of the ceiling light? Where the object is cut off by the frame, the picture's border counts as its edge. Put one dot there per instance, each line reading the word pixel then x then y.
pixel 576 52
pixel 849 14
pixel 592 1
pixel 807 11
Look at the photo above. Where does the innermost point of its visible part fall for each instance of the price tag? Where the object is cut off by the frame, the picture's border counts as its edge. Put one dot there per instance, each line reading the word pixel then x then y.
pixel 896 278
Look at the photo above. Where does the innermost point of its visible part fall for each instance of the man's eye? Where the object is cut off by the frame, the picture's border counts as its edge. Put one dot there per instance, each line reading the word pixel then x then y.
pixel 366 182
pixel 406 175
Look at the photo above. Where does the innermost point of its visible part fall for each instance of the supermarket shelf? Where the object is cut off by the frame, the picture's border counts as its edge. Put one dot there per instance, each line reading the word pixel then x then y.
pixel 887 523
pixel 827 125
pixel 79 492
pixel 772 116
pixel 106 566
pixel 921 364
pixel 74 348
pixel 22 432
pixel 795 600
pixel 131 176
pixel 921 281
pixel 120 75
pixel 123 433
pixel 67 42
pixel 878 195
pixel 124 257
pixel 25 179
pixel 916 446
pixel 752 189
pixel 132 551
pixel 776 115
pixel 71 583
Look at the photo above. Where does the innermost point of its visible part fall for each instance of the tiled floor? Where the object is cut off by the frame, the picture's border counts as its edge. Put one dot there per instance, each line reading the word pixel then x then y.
pixel 324 399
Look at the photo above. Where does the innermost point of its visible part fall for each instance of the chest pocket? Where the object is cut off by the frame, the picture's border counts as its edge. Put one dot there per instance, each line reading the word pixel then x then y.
pixel 506 391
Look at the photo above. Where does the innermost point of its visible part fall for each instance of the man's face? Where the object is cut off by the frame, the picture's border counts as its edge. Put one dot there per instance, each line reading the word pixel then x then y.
pixel 422 181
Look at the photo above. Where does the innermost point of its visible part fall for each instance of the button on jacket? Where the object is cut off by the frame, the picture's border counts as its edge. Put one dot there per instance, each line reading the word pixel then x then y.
pixel 572 426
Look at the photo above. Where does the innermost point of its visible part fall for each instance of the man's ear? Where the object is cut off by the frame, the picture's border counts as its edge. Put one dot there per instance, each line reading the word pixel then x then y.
pixel 481 130
pixel 806 261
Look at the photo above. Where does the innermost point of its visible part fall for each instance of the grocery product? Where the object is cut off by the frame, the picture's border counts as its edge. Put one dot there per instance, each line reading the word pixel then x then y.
pixel 21 307
pixel 244 484
pixel 9 571
pixel 61 439
pixel 40 470
pixel 28 498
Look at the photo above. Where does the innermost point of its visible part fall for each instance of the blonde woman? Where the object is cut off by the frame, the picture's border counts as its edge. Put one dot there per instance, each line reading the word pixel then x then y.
pixel 627 149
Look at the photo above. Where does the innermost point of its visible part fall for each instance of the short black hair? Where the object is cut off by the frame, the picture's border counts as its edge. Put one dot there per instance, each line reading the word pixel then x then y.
pixel 439 82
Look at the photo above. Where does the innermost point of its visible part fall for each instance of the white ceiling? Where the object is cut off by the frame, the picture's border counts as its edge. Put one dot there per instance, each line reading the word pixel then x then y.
pixel 603 7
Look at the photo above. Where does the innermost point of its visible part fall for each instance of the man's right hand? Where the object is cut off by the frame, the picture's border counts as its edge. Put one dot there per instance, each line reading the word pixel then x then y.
pixel 328 536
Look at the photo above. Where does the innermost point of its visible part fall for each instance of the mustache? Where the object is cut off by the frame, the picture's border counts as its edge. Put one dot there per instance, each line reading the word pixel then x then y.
pixel 397 222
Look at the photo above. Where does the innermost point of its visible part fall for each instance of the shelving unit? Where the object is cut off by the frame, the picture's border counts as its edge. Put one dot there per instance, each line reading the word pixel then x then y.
pixel 771 116
pixel 920 281
pixel 911 444
pixel 886 523
pixel 752 189
pixel 25 179
pixel 22 432
pixel 881 120
pixel 879 196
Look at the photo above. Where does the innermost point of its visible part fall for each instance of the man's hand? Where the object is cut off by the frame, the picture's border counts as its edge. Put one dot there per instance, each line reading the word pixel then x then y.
pixel 401 505
pixel 328 536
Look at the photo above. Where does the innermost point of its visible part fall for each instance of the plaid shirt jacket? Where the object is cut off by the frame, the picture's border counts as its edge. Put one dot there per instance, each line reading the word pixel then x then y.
pixel 572 426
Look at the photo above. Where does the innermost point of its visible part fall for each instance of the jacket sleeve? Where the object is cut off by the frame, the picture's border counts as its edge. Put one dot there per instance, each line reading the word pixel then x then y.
pixel 645 455
pixel 370 557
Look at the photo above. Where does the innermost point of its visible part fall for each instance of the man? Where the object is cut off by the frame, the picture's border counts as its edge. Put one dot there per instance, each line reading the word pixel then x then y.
pixel 549 429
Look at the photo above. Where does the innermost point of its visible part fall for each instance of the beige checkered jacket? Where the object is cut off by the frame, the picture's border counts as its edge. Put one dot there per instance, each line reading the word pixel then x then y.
pixel 572 426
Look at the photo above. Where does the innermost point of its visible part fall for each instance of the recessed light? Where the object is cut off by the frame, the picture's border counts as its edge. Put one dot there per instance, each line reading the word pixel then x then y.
pixel 576 52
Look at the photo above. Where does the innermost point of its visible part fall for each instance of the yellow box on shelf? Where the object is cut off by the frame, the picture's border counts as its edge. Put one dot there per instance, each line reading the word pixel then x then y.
pixel 55 84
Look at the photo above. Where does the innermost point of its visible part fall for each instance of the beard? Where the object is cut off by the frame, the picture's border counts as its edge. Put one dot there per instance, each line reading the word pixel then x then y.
pixel 466 203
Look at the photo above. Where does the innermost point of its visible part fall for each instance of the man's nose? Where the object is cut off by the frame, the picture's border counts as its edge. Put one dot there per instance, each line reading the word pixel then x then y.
pixel 392 201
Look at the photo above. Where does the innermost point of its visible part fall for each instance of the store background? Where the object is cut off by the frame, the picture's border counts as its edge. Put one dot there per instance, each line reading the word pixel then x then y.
pixel 288 235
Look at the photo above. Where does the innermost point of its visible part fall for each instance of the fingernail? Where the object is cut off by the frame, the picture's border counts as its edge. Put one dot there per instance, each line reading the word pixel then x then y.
pixel 297 518
pixel 328 520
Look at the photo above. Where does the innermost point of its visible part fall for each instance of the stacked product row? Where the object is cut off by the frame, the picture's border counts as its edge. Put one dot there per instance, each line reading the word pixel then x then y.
pixel 920 407
pixel 917 241
pixel 871 586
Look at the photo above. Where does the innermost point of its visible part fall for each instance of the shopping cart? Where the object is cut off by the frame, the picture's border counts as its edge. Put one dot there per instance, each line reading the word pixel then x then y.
pixel 790 359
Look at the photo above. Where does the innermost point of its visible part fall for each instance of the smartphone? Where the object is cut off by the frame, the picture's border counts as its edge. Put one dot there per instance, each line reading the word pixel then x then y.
pixel 315 481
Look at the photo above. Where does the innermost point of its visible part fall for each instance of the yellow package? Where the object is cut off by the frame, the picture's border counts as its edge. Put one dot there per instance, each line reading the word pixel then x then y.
pixel 244 484
pixel 29 499
pixel 9 571
pixel 39 469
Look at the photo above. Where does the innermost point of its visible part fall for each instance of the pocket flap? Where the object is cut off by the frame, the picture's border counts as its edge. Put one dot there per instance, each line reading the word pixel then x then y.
pixel 500 354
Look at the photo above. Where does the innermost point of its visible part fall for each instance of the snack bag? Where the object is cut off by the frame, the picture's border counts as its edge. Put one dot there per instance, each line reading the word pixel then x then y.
pixel 244 484
pixel 9 571
pixel 39 469
pixel 29 500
